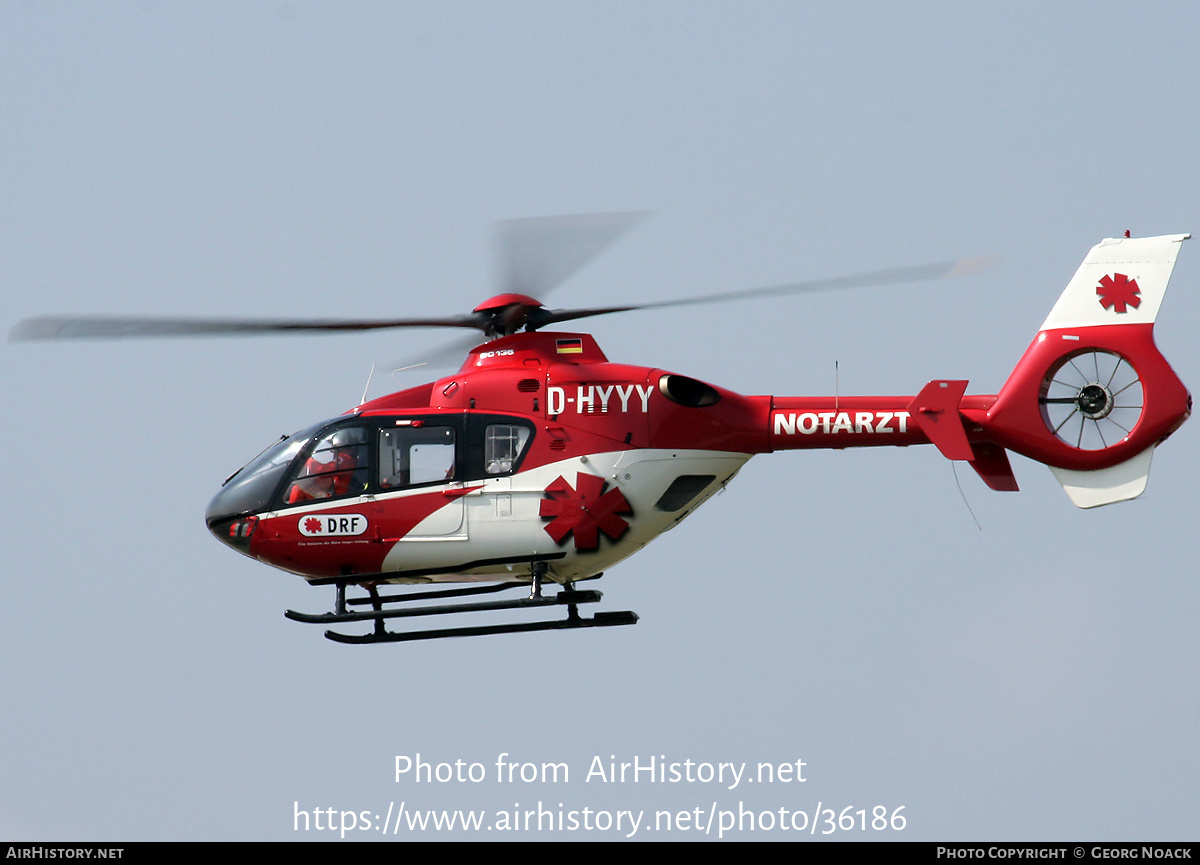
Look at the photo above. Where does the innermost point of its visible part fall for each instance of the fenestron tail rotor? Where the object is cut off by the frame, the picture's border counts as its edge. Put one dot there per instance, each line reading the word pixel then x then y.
pixel 1092 400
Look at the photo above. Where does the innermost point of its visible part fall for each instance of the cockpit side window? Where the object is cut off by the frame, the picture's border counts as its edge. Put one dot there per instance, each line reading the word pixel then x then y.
pixel 413 455
pixel 336 466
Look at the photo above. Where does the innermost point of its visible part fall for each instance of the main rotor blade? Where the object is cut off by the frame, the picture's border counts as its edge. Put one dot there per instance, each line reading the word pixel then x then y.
pixel 444 354
pixel 107 327
pixel 892 276
pixel 535 255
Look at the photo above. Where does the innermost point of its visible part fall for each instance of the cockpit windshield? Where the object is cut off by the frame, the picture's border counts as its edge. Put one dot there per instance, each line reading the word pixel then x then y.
pixel 252 488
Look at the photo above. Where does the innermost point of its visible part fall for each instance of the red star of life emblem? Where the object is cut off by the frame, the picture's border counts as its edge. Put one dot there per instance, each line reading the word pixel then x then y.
pixel 1118 292
pixel 313 525
pixel 585 511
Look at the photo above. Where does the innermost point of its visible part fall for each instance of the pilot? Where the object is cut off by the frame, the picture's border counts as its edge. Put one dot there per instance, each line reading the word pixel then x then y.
pixel 346 477
pixel 315 482
pixel 334 471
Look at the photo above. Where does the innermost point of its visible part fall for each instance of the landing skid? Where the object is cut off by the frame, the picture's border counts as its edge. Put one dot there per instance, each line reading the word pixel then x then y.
pixel 385 607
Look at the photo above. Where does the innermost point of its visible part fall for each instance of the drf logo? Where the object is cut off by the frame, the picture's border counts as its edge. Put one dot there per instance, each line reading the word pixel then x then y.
pixel 332 525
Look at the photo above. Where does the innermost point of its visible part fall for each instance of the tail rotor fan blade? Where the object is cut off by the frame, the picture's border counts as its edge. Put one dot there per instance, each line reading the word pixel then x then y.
pixel 1092 400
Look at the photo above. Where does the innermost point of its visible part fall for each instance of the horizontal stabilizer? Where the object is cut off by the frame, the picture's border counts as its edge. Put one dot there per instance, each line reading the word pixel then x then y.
pixel 935 410
pixel 1119 483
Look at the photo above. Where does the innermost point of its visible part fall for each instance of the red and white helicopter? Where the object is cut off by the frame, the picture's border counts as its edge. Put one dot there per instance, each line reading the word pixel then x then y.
pixel 540 461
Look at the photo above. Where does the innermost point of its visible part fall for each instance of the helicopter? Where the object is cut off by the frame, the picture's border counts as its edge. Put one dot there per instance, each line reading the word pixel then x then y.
pixel 540 464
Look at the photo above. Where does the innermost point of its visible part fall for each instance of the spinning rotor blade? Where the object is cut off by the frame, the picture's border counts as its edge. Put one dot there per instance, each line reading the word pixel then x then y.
pixel 536 317
pixel 107 327
pixel 535 255
pixel 892 276
pixel 444 354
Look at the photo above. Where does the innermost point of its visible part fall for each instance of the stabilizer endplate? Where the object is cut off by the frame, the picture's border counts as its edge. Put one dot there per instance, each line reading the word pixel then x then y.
pixel 1119 483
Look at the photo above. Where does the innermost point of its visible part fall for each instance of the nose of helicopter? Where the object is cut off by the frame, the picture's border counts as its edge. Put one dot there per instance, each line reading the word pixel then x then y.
pixel 232 515
pixel 234 532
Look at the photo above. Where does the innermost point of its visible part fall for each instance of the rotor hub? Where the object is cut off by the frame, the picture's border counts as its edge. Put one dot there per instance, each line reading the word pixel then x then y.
pixel 500 301
pixel 505 314
pixel 1095 401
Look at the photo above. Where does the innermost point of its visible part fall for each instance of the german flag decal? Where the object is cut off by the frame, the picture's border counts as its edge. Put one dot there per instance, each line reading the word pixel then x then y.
pixel 569 346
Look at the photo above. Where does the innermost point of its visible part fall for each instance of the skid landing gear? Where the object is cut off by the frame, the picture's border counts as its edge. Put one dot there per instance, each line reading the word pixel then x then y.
pixel 396 606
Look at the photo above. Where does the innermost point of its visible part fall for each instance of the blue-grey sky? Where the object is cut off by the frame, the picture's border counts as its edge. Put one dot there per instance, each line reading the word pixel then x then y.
pixel 1030 680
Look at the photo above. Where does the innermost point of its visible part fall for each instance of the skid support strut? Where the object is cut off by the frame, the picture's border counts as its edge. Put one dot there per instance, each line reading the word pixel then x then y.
pixel 411 604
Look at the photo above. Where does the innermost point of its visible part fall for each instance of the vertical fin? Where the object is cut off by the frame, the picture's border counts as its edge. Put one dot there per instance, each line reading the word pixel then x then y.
pixel 991 463
pixel 1128 275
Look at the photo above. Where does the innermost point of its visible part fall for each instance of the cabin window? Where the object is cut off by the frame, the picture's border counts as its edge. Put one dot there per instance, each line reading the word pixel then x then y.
pixel 502 446
pixel 409 456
